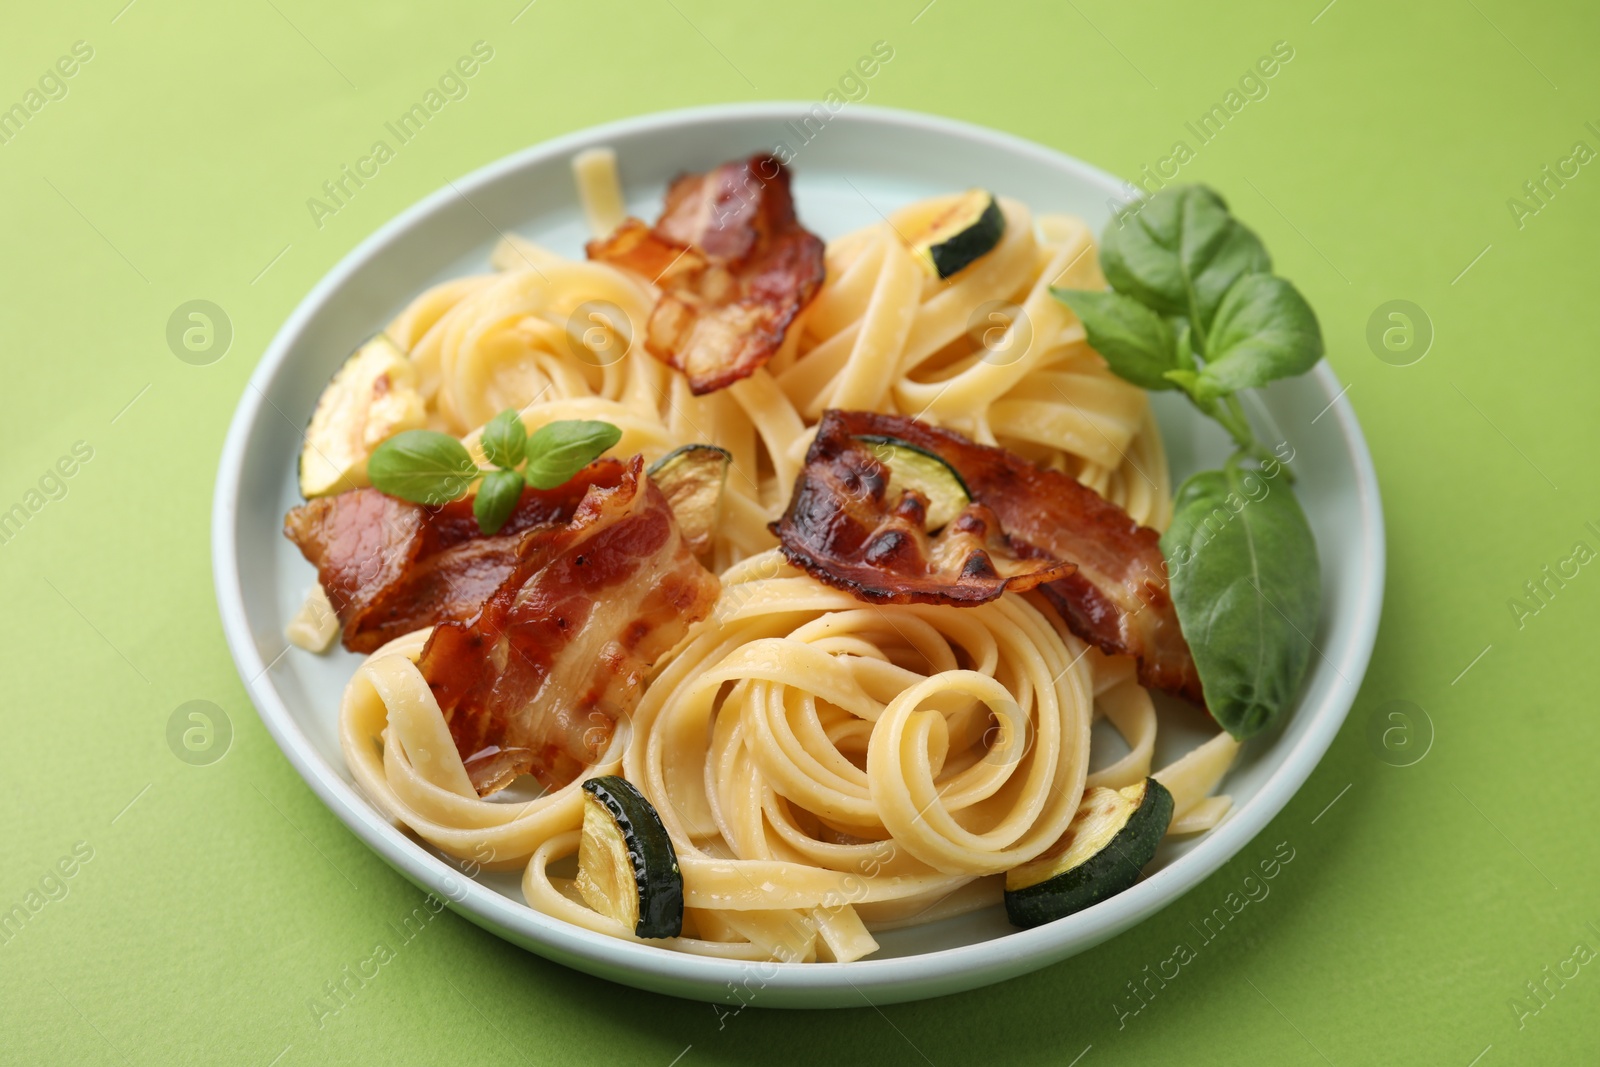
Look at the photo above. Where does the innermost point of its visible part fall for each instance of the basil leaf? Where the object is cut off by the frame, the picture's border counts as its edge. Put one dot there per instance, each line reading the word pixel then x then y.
pixel 1180 253
pixel 1242 570
pixel 497 499
pixel 1201 390
pixel 1137 343
pixel 1184 349
pixel 559 450
pixel 1264 330
pixel 504 439
pixel 422 466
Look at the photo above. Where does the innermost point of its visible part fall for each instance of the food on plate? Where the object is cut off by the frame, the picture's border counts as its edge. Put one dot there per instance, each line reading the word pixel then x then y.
pixel 862 518
pixel 371 398
pixel 1103 571
pixel 627 869
pixel 965 230
pixel 752 594
pixel 1113 835
pixel 692 478
pixel 536 681
pixel 389 566
pixel 733 264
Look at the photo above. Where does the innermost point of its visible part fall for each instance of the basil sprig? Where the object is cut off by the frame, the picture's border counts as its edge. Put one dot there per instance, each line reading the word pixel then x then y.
pixel 432 468
pixel 1194 306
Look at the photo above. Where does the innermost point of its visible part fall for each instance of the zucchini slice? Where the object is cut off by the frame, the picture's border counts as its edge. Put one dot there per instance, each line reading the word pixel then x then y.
pixel 692 478
pixel 1113 835
pixel 956 238
pixel 371 398
pixel 916 468
pixel 627 868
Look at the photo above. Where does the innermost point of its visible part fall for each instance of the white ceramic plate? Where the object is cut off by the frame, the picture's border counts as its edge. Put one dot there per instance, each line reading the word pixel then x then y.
pixel 862 162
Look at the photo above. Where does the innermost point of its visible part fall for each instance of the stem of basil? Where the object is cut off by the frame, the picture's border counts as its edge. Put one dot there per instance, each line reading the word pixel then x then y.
pixel 1230 414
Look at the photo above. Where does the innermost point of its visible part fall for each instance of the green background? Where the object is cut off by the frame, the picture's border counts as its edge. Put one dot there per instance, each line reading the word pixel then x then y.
pixel 1378 168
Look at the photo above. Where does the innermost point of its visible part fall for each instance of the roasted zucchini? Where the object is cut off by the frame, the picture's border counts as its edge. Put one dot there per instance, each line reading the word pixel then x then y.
pixel 627 868
pixel 371 398
pixel 915 468
pixel 1113 835
pixel 691 478
pixel 958 236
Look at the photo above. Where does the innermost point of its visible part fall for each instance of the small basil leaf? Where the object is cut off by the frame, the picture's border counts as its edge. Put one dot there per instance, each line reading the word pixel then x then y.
pixel 504 438
pixel 422 466
pixel 1184 349
pixel 1242 571
pixel 1264 330
pixel 1180 253
pixel 1191 382
pixel 559 450
pixel 497 499
pixel 1137 343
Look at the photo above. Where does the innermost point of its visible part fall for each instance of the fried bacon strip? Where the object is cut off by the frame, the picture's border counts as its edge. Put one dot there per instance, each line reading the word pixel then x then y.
pixel 733 264
pixel 390 567
pixel 537 681
pixel 841 527
pixel 1102 570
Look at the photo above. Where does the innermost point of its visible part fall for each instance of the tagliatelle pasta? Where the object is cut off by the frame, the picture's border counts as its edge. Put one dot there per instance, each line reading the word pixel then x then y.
pixel 826 768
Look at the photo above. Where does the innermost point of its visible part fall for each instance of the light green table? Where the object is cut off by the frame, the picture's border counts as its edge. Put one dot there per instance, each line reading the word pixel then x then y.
pixel 216 900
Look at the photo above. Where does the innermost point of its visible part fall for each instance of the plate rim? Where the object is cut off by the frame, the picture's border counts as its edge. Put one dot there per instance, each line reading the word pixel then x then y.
pixel 921 975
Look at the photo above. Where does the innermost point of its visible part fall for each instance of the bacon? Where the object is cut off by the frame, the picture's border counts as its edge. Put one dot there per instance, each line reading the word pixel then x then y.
pixel 841 527
pixel 734 267
pixel 390 567
pixel 538 679
pixel 1103 571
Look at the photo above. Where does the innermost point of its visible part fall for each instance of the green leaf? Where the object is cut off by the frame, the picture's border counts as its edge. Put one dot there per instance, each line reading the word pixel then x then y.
pixel 1199 389
pixel 1137 343
pixel 497 499
pixel 504 439
pixel 1242 569
pixel 1263 331
pixel 1180 253
pixel 422 466
pixel 559 450
pixel 1184 349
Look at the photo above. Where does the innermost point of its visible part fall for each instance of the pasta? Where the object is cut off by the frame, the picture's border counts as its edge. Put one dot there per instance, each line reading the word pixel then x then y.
pixel 826 768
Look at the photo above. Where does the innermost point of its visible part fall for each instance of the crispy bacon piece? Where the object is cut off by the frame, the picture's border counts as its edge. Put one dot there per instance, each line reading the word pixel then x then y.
pixel 390 567
pixel 537 681
pixel 733 264
pixel 841 527
pixel 1102 570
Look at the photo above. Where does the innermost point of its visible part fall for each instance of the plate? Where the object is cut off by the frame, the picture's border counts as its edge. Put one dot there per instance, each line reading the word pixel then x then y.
pixel 860 164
